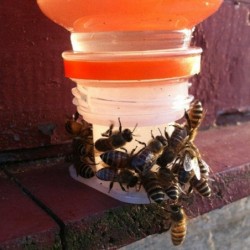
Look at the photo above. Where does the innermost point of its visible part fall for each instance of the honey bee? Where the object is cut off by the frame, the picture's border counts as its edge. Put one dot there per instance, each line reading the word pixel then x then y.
pixel 175 143
pixel 122 176
pixel 202 186
pixel 76 126
pixel 114 140
pixel 173 191
pixel 152 186
pixel 195 114
pixel 182 134
pixel 194 117
pixel 179 224
pixel 145 159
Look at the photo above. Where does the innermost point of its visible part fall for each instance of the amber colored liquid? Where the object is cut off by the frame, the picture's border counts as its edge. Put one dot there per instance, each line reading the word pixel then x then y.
pixel 127 15
pixel 132 70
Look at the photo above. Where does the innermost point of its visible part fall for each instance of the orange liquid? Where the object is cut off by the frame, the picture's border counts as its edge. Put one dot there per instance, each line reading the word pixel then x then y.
pixel 127 15
pixel 133 70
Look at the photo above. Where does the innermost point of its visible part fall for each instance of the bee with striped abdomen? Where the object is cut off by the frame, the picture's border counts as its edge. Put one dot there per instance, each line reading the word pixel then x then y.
pixel 114 139
pixel 179 224
pixel 173 191
pixel 122 176
pixel 116 159
pixel 145 159
pixel 194 117
pixel 152 186
pixel 175 143
pixel 201 186
pixel 84 168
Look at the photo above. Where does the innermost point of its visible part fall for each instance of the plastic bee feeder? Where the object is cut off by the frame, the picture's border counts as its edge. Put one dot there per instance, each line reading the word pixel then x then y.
pixel 133 65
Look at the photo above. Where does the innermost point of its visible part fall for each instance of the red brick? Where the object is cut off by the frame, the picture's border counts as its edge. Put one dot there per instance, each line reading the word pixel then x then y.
pixel 103 222
pixel 69 199
pixel 225 147
pixel 23 224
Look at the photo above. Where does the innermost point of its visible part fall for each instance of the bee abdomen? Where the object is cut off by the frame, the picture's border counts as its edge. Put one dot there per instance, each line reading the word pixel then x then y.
pixel 143 162
pixel 103 144
pixel 184 176
pixel 85 171
pixel 116 159
pixel 195 114
pixel 204 171
pixel 201 186
pixel 166 157
pixel 178 232
pixel 106 174
pixel 173 191
pixel 153 187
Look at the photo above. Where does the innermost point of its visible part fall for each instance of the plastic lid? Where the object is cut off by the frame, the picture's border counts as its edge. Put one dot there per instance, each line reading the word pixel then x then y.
pixel 134 65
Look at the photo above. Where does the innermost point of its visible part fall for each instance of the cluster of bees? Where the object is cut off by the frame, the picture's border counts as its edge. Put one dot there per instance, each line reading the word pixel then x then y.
pixel 178 166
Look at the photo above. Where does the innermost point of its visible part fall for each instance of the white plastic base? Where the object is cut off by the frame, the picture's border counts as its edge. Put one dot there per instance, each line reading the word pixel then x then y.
pixel 132 196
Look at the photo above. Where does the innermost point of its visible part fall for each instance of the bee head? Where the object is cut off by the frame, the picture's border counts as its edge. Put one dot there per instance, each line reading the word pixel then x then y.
pixel 127 135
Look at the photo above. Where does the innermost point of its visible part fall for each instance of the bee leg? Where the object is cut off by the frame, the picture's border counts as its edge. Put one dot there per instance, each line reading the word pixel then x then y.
pixel 123 189
pixel 143 143
pixel 138 188
pixel 152 134
pixel 120 125
pixel 133 150
pixel 111 185
pixel 167 135
pixel 190 190
pixel 108 133
pixel 126 151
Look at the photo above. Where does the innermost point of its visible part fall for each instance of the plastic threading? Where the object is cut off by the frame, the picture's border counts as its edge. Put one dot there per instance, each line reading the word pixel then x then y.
pixel 112 41
pixel 147 105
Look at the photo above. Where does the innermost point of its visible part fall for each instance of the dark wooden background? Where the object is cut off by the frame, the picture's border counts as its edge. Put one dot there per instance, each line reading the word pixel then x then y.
pixel 35 97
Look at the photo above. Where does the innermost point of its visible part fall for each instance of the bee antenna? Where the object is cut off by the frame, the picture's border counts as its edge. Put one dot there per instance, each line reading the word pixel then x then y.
pixel 152 134
pixel 135 127
pixel 160 131
pixel 120 125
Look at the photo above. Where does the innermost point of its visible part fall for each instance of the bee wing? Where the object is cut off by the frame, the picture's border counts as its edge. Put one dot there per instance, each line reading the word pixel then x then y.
pixel 196 168
pixel 192 164
pixel 187 164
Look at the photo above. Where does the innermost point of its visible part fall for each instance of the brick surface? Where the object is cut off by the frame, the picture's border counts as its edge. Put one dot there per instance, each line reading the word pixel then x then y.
pixel 96 221
pixel 225 147
pixel 69 199
pixel 36 97
pixel 23 224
